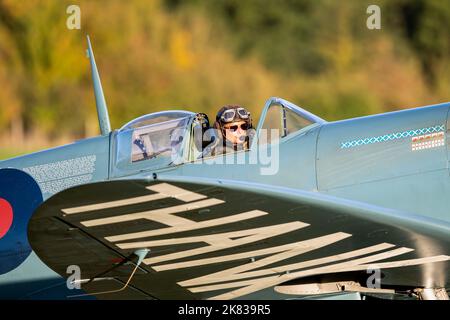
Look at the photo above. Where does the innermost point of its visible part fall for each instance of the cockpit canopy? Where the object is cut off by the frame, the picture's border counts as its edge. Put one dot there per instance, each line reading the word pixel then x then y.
pixel 157 117
pixel 166 138
pixel 159 137
pixel 281 119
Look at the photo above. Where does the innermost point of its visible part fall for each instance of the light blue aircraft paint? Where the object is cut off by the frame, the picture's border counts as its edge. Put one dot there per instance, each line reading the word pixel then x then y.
pixel 390 169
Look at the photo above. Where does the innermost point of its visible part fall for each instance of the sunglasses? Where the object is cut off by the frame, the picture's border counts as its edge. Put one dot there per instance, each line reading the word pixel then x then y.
pixel 243 126
pixel 229 115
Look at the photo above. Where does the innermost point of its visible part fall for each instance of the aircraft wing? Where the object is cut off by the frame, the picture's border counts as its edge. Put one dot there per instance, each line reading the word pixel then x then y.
pixel 218 239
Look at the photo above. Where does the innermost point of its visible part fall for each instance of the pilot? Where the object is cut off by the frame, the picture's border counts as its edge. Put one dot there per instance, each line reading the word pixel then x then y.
pixel 233 124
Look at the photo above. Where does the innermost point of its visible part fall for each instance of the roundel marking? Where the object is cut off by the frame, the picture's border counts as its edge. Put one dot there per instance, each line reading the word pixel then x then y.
pixel 20 195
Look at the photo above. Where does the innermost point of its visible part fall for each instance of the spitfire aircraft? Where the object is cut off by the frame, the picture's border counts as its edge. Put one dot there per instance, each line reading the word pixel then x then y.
pixel 349 209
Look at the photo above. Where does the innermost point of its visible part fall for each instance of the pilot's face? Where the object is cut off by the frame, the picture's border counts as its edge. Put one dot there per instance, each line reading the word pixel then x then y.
pixel 236 132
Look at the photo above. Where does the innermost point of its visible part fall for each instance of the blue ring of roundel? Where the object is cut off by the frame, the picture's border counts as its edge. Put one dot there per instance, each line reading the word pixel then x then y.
pixel 24 195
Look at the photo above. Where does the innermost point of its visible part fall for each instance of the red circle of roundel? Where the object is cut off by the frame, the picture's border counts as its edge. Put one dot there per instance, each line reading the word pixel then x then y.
pixel 6 217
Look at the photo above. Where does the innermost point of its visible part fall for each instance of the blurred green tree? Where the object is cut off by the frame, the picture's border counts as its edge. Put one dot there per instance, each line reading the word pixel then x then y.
pixel 199 55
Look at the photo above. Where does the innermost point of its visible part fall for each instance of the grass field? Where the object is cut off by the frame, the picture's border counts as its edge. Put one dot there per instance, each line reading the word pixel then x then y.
pixel 13 148
pixel 6 153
